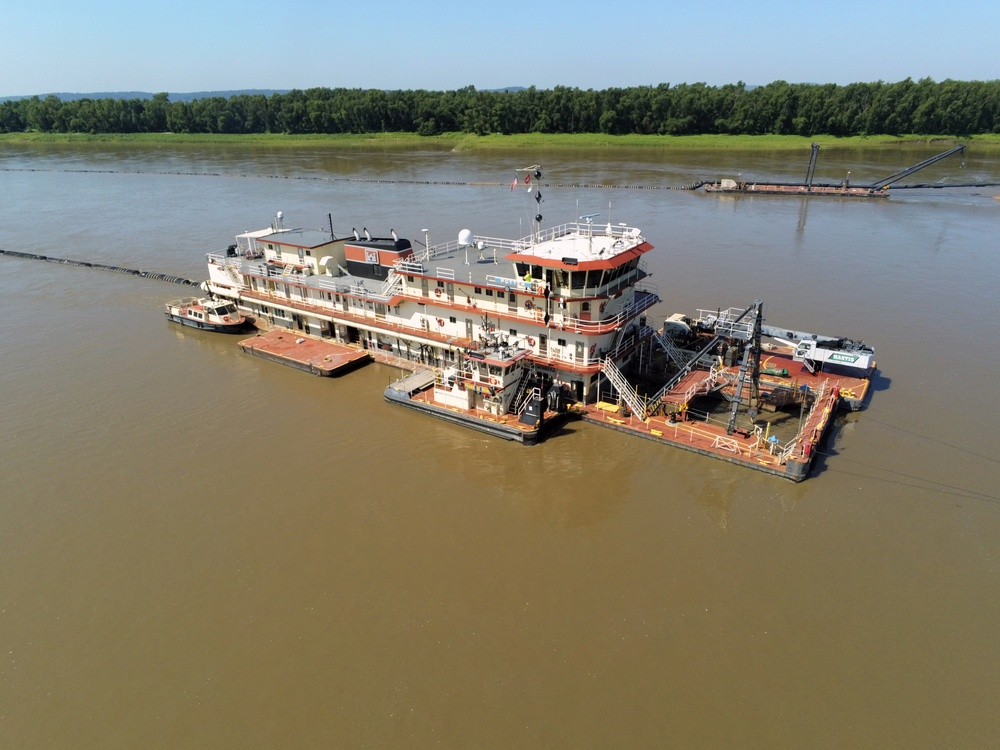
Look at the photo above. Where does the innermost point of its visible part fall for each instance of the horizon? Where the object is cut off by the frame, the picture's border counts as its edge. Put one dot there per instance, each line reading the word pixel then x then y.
pixel 585 45
pixel 192 95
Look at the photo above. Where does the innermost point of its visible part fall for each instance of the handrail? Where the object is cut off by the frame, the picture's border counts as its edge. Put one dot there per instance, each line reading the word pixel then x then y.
pixel 624 388
pixel 668 346
pixel 632 234
pixel 644 299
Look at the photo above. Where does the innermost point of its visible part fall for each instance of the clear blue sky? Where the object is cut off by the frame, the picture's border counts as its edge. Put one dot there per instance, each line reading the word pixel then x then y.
pixel 183 45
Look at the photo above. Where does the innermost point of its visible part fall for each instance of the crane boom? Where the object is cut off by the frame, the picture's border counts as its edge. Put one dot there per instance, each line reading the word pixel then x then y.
pixel 916 167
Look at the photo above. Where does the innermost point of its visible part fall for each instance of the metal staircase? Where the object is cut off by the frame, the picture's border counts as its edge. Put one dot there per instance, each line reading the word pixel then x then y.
pixel 520 403
pixel 625 389
pixel 232 269
pixel 668 346
pixel 672 383
pixel 392 285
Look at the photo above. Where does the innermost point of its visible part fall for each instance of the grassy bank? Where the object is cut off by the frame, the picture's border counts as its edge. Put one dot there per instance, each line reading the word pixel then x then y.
pixel 462 141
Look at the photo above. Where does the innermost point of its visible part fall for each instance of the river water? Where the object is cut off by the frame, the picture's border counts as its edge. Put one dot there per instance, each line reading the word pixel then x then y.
pixel 201 549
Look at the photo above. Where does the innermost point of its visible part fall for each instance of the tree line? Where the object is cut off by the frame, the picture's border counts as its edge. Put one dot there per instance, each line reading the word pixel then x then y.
pixel 956 108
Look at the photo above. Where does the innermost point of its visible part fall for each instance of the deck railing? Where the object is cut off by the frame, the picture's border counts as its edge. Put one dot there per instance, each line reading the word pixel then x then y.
pixel 487 245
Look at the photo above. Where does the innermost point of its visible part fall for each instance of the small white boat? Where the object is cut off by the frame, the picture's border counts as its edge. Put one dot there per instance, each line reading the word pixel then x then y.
pixel 205 313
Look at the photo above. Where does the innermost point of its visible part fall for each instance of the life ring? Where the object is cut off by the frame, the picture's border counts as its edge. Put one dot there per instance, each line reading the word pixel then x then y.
pixel 226 318
pixel 603 305
pixel 593 350
pixel 530 340
pixel 527 304
pixel 440 322
pixel 494 380
pixel 437 292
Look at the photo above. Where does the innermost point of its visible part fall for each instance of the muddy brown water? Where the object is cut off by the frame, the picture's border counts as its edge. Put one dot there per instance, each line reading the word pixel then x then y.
pixel 202 549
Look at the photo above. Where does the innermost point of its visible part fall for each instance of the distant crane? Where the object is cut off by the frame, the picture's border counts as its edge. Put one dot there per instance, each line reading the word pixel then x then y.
pixel 916 167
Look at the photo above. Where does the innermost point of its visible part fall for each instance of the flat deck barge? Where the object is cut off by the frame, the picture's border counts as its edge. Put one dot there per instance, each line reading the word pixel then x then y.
pixel 680 424
pixel 305 352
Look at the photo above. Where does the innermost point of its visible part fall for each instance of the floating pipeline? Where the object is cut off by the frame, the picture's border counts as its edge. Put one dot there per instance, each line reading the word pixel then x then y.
pixel 103 267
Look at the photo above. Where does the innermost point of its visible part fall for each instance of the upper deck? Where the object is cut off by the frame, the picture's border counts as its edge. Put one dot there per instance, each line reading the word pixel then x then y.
pixel 573 259
pixel 573 246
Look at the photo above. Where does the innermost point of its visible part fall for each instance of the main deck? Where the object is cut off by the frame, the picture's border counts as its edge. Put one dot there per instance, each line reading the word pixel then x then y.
pixel 777 441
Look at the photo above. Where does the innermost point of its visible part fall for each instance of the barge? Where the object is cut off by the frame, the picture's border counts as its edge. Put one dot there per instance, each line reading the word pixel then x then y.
pixel 304 352
pixel 843 189
pixel 513 337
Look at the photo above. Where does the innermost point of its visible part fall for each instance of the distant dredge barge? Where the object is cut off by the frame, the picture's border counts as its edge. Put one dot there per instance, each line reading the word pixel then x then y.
pixel 515 337
pixel 842 189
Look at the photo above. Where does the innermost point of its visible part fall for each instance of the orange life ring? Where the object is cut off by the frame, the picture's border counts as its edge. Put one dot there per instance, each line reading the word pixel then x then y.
pixel 226 318
pixel 437 292
pixel 527 304
pixel 440 322
pixel 530 340
pixel 494 380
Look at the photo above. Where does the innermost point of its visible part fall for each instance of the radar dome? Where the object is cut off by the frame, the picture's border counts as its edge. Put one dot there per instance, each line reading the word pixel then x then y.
pixel 465 237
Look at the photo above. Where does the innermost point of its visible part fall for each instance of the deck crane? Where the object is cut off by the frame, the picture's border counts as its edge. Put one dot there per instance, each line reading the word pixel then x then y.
pixel 814 350
pixel 883 184
pixel 811 169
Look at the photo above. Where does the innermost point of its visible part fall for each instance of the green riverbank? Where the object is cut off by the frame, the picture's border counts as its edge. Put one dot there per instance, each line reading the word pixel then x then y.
pixel 462 141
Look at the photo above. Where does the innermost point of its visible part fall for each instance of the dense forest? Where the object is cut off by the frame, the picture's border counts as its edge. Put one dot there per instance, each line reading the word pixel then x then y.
pixel 956 108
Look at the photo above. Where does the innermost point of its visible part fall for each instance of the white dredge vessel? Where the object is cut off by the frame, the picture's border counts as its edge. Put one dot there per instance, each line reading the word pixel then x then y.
pixel 512 337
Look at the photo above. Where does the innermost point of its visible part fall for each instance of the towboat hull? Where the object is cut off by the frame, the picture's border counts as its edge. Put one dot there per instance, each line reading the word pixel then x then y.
pixel 207 326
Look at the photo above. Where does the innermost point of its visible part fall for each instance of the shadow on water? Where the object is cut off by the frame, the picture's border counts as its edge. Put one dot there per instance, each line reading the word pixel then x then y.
pixel 880 382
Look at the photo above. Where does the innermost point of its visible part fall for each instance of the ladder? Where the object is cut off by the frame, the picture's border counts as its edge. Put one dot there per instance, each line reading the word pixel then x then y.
pixel 668 346
pixel 620 383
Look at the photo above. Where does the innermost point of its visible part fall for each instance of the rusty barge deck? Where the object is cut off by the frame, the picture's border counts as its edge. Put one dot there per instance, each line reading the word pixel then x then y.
pixel 789 454
pixel 303 352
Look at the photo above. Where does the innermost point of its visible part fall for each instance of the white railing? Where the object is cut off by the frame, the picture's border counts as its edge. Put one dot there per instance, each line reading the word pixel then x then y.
pixel 644 299
pixel 624 388
pixel 409 266
pixel 526 398
pixel 792 444
pixel 729 323
pixel 487 244
pixel 392 286
pixel 668 346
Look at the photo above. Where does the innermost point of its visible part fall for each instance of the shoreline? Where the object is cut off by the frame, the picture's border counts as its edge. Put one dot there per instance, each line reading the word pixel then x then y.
pixel 520 142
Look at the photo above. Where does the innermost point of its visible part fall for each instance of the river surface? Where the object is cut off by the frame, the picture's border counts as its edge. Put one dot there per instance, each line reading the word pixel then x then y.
pixel 201 549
